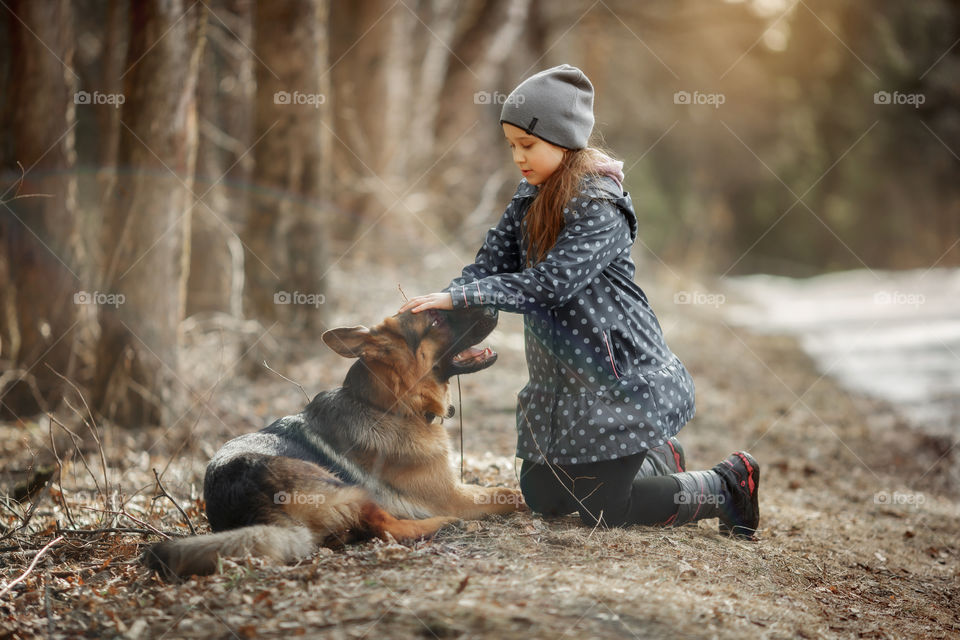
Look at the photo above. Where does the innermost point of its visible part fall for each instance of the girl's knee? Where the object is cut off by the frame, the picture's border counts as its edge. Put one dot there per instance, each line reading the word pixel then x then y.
pixel 547 503
pixel 603 513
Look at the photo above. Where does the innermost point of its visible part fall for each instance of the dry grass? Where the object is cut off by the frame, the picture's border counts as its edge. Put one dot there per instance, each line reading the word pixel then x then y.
pixel 833 560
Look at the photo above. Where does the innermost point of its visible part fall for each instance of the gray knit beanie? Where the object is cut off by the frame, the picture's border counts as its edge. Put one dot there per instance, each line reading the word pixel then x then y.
pixel 555 105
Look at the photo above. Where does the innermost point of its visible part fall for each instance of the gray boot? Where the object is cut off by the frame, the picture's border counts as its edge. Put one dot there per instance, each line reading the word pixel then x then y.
pixel 700 495
pixel 664 460
pixel 728 491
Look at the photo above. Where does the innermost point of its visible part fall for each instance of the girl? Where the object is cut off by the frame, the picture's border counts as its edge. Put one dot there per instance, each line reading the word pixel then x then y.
pixel 605 392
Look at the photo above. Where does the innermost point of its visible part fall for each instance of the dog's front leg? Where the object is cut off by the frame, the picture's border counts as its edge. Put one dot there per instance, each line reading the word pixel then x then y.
pixel 436 487
pixel 473 501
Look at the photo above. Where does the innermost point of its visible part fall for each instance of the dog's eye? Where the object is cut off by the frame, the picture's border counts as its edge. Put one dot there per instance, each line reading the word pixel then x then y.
pixel 435 323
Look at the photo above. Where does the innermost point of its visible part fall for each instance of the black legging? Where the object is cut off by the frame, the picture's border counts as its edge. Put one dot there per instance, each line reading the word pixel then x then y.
pixel 608 491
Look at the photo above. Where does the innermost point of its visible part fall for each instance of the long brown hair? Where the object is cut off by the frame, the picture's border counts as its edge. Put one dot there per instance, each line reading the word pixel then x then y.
pixel 544 218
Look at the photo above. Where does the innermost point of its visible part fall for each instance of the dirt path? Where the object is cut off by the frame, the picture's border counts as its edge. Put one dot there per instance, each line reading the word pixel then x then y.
pixel 859 523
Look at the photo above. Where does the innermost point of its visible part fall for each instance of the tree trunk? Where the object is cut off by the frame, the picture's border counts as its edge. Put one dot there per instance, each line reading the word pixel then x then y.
pixel 481 51
pixel 108 119
pixel 38 241
pixel 285 257
pixel 212 283
pixel 146 230
pixel 429 85
pixel 360 37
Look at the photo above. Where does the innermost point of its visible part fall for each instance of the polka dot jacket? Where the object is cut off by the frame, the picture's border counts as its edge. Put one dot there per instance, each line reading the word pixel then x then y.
pixel 603 383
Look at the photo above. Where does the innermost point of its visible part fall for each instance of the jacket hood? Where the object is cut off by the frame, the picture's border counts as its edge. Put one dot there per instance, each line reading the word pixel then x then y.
pixel 607 166
pixel 607 187
pixel 603 187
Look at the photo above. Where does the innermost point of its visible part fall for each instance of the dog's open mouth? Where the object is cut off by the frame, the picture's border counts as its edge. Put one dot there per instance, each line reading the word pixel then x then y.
pixel 473 359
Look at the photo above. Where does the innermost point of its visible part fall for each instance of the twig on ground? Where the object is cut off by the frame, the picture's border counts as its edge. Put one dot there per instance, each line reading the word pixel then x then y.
pixel 89 532
pixel 164 493
pixel 26 517
pixel 599 520
pixel 288 380
pixel 20 548
pixel 123 513
pixel 93 430
pixel 76 445
pixel 36 558
pixel 56 454
pixel 49 609
pixel 5 503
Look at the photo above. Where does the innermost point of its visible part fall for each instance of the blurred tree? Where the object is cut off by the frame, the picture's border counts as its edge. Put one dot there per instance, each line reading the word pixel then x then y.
pixel 146 231
pixel 39 251
pixel 108 120
pixel 372 125
pixel 225 94
pixel 285 249
pixel 411 136
pixel 360 56
pixel 878 179
pixel 486 42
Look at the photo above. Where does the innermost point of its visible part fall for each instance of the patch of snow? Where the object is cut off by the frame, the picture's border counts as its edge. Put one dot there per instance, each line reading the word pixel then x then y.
pixel 893 335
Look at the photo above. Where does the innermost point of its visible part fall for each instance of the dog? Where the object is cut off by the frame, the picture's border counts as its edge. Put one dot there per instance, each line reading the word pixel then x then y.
pixel 364 460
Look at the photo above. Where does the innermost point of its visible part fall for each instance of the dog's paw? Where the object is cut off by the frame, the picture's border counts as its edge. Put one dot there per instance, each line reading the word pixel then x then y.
pixel 448 525
pixel 506 500
pixel 521 504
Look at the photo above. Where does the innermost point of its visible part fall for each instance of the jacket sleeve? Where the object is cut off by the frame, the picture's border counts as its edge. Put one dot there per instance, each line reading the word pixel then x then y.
pixel 500 252
pixel 594 234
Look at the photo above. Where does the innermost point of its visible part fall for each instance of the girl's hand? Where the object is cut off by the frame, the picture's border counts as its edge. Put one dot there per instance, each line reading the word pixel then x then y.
pixel 429 301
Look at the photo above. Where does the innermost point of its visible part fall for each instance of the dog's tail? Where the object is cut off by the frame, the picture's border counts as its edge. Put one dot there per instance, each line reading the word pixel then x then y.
pixel 283 532
pixel 199 555
pixel 288 542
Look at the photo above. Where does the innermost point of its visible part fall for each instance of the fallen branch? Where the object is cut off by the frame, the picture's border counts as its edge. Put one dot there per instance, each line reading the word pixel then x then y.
pixel 56 454
pixel 123 513
pixel 93 431
pixel 77 441
pixel 26 518
pixel 23 575
pixel 169 497
pixel 5 503
pixel 89 532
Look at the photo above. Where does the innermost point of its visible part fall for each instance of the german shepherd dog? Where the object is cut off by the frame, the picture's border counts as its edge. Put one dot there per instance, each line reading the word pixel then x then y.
pixel 363 460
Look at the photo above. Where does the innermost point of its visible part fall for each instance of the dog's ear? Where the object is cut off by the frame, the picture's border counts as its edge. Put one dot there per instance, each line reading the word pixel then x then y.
pixel 347 341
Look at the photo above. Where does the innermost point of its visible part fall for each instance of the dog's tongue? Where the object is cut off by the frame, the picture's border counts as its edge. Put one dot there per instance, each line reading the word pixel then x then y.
pixel 472 353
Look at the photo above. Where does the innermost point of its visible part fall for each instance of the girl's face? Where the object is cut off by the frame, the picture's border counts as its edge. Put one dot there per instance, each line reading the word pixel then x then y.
pixel 537 158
